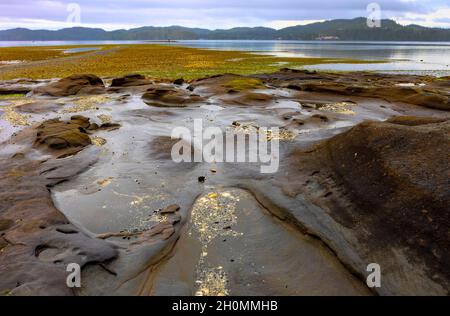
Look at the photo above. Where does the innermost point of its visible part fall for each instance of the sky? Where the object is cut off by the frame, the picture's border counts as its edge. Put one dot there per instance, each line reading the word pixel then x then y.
pixel 211 14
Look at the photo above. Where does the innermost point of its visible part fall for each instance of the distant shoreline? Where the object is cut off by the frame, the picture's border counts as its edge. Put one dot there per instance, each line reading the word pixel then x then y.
pixel 341 29
pixel 26 43
pixel 160 41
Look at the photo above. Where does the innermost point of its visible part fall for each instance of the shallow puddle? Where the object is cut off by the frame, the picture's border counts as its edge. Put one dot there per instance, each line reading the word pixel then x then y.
pixel 233 246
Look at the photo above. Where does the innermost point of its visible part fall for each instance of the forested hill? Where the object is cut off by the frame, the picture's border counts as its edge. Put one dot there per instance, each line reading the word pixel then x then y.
pixel 345 30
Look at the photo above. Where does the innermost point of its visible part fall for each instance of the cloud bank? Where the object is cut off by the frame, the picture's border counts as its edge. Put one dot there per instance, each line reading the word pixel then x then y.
pixel 212 14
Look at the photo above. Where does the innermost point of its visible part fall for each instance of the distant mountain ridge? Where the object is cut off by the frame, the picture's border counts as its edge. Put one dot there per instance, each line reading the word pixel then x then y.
pixel 346 30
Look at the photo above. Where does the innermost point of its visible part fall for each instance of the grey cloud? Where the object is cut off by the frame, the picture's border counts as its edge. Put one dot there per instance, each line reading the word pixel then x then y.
pixel 212 13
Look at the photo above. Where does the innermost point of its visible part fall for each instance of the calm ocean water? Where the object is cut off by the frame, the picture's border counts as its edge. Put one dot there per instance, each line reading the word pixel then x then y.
pixel 412 57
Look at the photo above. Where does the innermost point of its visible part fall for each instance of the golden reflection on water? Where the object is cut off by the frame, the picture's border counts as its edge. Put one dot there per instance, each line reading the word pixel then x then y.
pixel 142 203
pixel 249 128
pixel 13 117
pixel 105 182
pixel 98 141
pixel 213 215
pixel 104 118
pixel 87 103
pixel 339 107
pixel 212 282
pixel 137 199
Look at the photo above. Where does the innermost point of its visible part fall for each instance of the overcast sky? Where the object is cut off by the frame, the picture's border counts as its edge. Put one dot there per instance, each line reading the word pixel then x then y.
pixel 212 14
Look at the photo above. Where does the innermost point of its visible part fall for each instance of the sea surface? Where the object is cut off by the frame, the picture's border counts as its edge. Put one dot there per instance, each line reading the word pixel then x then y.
pixel 410 57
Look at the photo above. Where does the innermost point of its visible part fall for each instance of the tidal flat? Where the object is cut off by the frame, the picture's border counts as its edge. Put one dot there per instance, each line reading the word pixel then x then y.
pixel 157 61
pixel 87 176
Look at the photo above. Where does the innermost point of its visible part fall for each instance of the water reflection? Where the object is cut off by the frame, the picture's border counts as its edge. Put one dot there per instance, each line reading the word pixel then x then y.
pixel 405 55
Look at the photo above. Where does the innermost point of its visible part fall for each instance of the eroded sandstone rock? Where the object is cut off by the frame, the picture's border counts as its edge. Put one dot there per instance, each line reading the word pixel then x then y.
pixel 68 137
pixel 165 96
pixel 130 81
pixel 386 184
pixel 36 240
pixel 422 91
pixel 72 85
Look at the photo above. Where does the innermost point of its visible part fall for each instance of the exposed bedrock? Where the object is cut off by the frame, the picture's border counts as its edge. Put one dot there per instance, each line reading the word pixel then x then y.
pixel 233 246
pixel 375 193
pixel 14 90
pixel 72 85
pixel 423 91
pixel 416 96
pixel 130 81
pixel 37 241
pixel 165 96
pixel 132 272
pixel 233 90
pixel 68 137
pixel 385 185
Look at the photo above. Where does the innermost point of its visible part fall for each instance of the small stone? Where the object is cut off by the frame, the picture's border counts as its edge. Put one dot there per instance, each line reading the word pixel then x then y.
pixel 201 179
pixel 212 195
pixel 170 209
pixel 178 82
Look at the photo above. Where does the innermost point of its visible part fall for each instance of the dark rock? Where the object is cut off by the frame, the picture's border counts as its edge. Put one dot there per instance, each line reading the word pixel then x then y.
pixel 38 243
pixel 80 120
pixel 109 126
pixel 18 156
pixel 415 121
pixel 323 118
pixel 58 134
pixel 178 82
pixel 387 87
pixel 38 106
pixel 387 184
pixel 429 99
pixel 73 85
pixel 93 127
pixel 294 87
pixel 14 90
pixel 170 97
pixel 130 81
pixel 5 223
pixel 68 136
pixel 248 98
pixel 170 209
pixel 298 121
